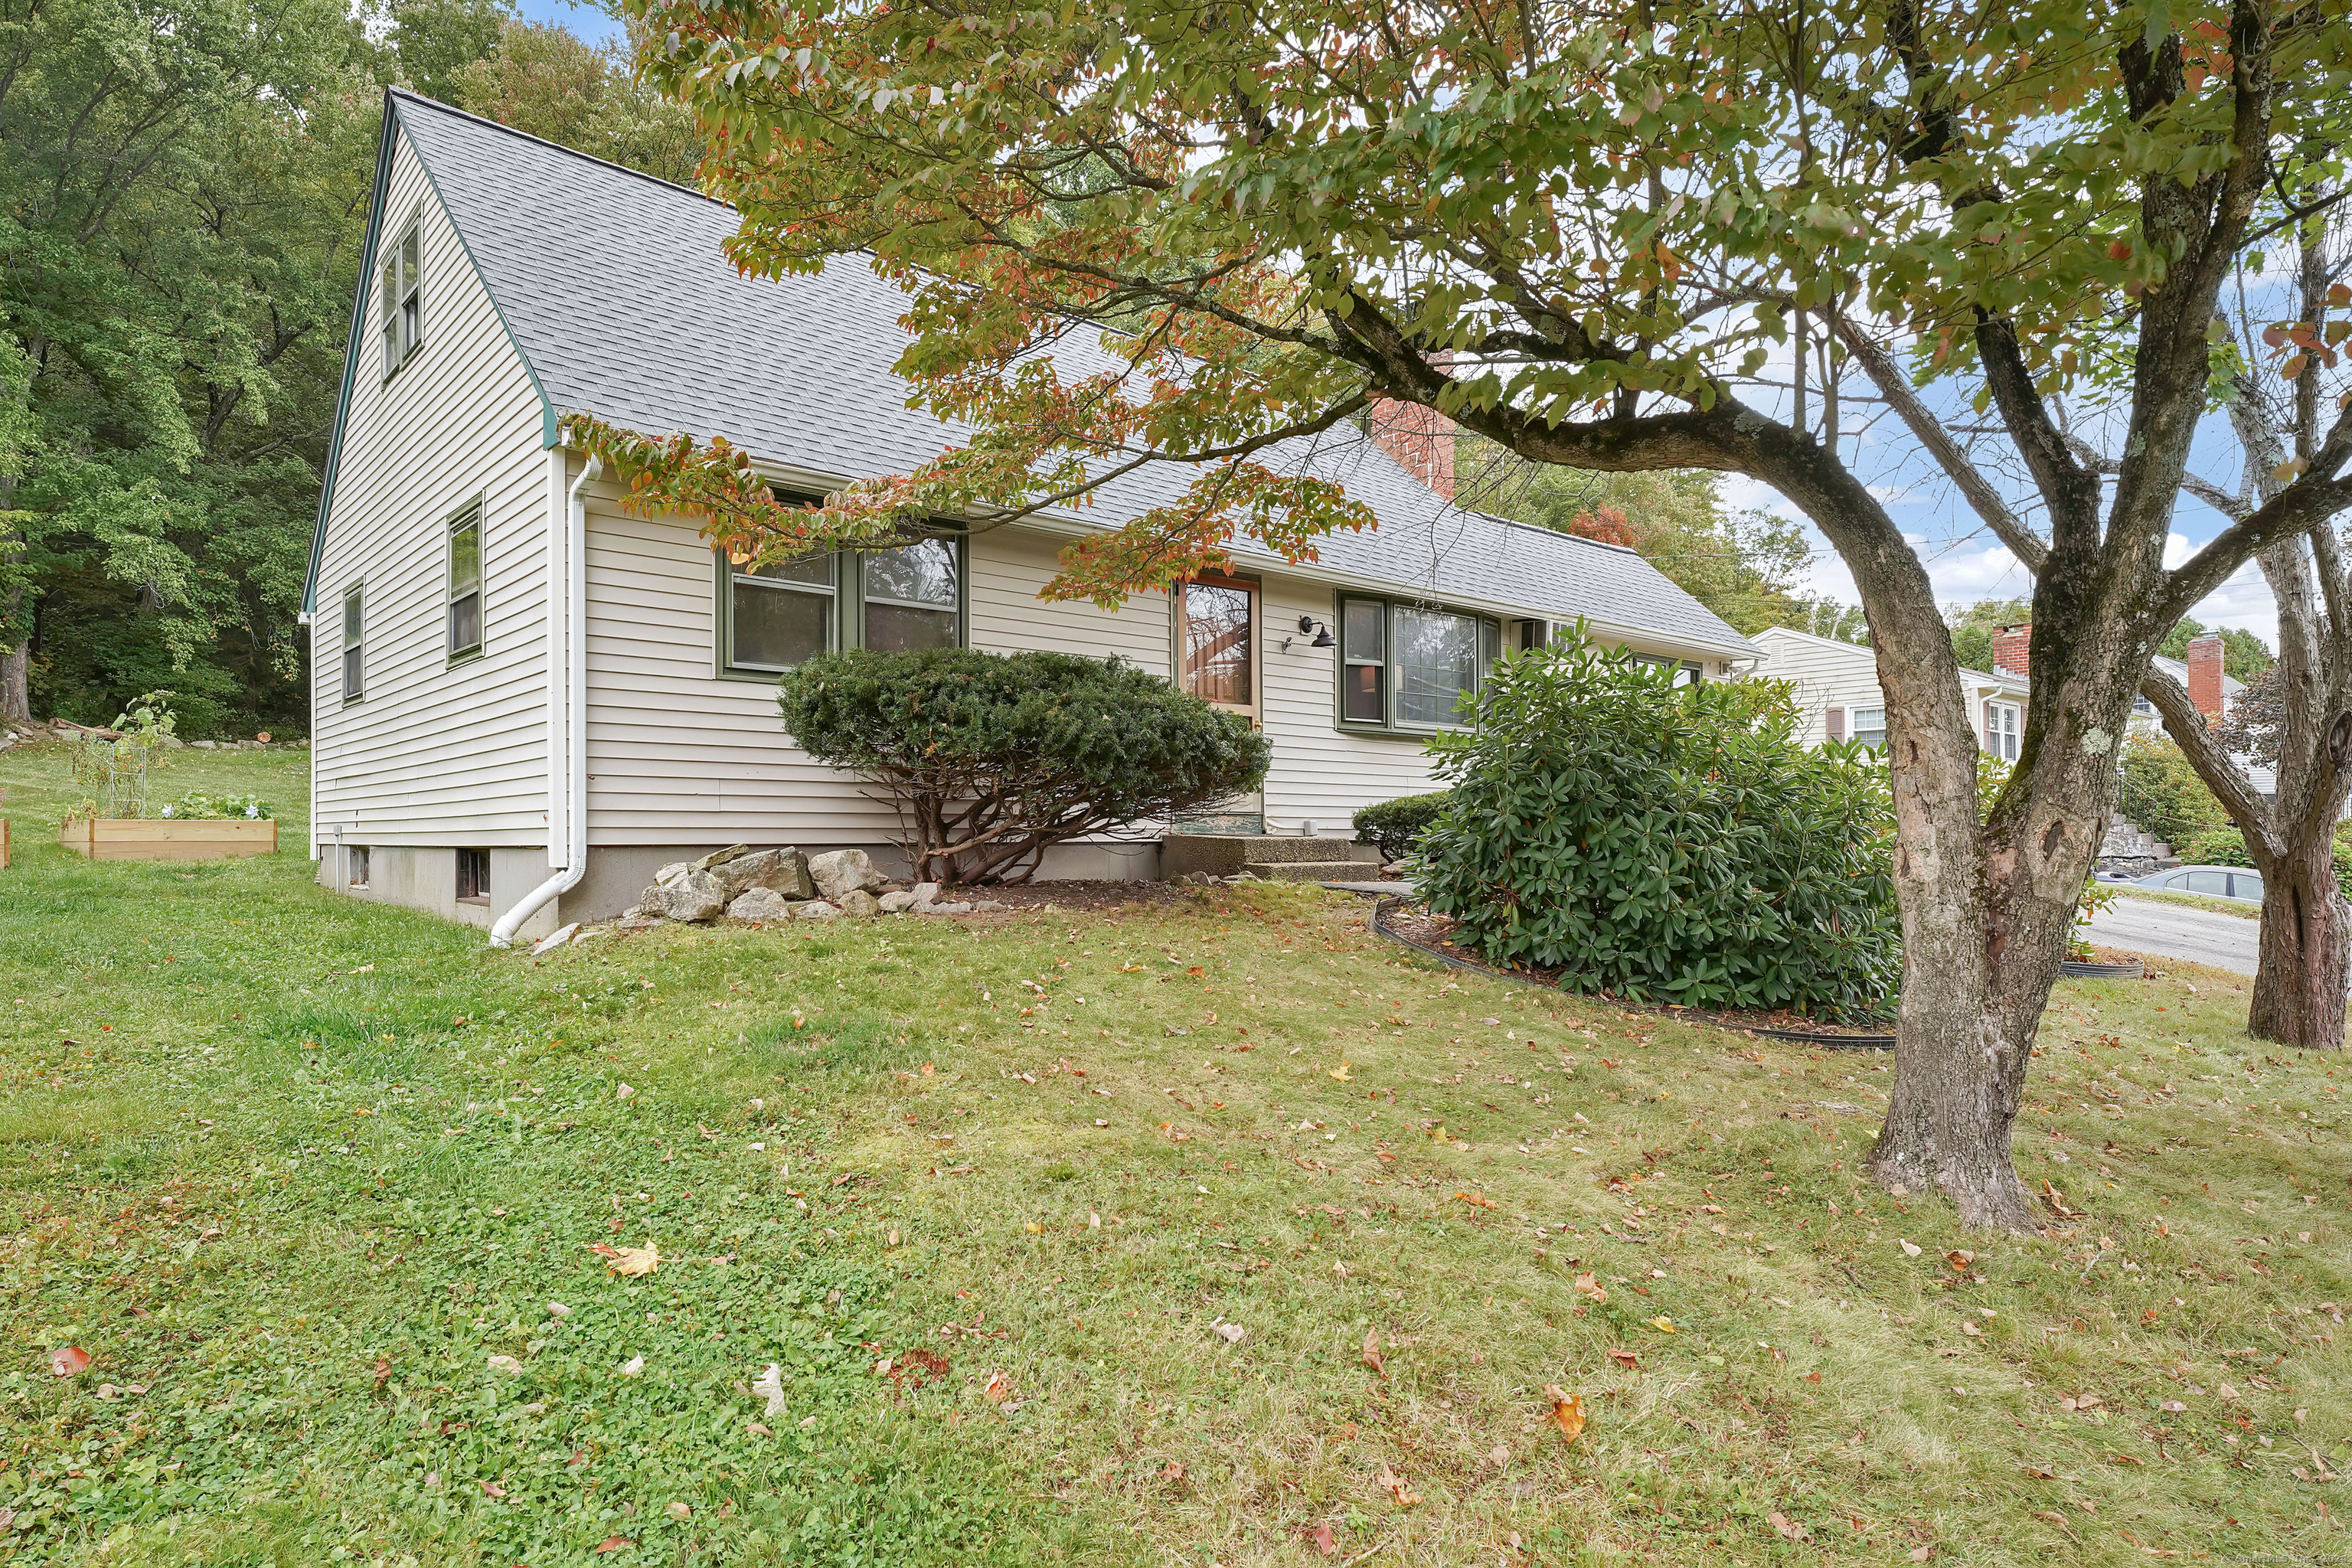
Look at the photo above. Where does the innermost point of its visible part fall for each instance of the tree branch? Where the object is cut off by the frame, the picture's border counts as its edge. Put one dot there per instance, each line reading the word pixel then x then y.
pixel 2188 728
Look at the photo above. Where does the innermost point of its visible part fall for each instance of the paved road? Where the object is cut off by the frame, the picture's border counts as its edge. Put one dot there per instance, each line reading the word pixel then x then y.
pixel 2175 931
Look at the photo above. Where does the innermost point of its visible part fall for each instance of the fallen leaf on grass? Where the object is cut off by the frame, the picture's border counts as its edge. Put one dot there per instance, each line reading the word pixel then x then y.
pixel 1586 1285
pixel 1321 1539
pixel 493 1488
pixel 1626 1359
pixel 1340 1072
pixel 611 1543
pixel 505 1363
pixel 679 1511
pixel 1788 1527
pixel 629 1262
pixel 1479 1200
pixel 1371 1353
pixel 997 1389
pixel 1394 1484
pixel 69 1361
pixel 1960 1260
pixel 1567 1411
pixel 1499 1455
pixel 1664 1325
pixel 1921 1554
pixel 632 1366
pixel 1231 1332
pixel 1910 1248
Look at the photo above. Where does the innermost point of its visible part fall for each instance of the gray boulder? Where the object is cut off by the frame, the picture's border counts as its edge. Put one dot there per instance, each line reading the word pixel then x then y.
pixel 896 903
pixel 672 872
pixel 860 904
pixel 761 904
pixel 926 893
pixel 722 857
pixel 693 897
pixel 819 911
pixel 944 909
pixel 840 871
pixel 784 871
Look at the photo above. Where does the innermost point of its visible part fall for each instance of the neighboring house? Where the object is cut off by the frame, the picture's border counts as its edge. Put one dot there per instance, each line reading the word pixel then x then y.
pixel 1837 687
pixel 485 699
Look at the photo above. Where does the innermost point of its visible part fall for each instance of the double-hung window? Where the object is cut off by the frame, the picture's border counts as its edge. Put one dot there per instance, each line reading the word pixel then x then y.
pixel 1411 667
pixel 464 618
pixel 1870 727
pixel 773 617
pixel 401 298
pixel 2001 727
pixel 354 643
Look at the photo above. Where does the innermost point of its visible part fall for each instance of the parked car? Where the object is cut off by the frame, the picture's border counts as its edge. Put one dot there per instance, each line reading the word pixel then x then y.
pixel 2213 881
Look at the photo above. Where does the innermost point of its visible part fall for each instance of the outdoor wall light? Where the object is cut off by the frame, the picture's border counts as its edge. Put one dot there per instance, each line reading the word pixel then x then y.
pixel 1309 623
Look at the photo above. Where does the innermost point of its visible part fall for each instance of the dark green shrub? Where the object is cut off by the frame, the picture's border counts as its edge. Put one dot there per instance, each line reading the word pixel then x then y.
pixel 2163 794
pixel 2214 846
pixel 1663 843
pixel 992 759
pixel 1394 824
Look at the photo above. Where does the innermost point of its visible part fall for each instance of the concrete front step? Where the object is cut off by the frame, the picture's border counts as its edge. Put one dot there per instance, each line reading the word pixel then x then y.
pixel 1223 854
pixel 1305 871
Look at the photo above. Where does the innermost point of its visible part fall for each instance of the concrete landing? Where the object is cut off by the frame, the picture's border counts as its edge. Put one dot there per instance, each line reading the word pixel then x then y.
pixel 1226 854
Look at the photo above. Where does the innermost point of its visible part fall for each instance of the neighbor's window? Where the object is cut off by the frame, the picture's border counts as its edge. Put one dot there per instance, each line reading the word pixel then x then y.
pixel 473 876
pixel 401 299
pixel 2002 726
pixel 1411 667
pixel 465 616
pixel 354 649
pixel 1687 673
pixel 1870 727
pixel 778 615
pixel 909 596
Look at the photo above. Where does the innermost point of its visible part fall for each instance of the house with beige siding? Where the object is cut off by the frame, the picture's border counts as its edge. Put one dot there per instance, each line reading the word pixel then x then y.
pixel 529 697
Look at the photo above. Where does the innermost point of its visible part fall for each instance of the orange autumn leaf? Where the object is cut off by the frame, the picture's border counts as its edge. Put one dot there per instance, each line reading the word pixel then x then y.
pixel 1567 1411
pixel 1586 1285
pixel 69 1362
pixel 1394 1484
pixel 1479 1200
pixel 611 1543
pixel 997 1389
pixel 1371 1353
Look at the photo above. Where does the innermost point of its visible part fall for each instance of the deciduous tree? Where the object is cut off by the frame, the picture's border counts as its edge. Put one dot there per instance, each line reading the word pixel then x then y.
pixel 1611 237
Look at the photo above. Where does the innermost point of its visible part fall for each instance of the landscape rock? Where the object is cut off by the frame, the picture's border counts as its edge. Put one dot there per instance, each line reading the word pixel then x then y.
pixel 944 909
pixel 839 871
pixel 693 897
pixel 926 893
pixel 896 903
pixel 859 904
pixel 672 872
pixel 555 938
pixel 819 911
pixel 761 904
pixel 722 857
pixel 785 871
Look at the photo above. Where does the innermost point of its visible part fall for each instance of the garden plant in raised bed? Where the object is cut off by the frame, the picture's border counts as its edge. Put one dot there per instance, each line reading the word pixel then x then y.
pixel 1662 842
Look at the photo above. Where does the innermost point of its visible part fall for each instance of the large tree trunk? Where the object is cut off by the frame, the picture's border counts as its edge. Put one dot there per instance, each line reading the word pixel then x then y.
pixel 2307 951
pixel 15 694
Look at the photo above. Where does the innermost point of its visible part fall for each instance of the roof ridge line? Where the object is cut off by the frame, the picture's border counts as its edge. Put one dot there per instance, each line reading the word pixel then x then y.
pixel 411 95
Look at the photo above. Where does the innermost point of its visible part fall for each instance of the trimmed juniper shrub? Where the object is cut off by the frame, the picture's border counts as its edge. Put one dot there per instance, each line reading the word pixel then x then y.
pixel 1662 842
pixel 1394 824
pixel 991 759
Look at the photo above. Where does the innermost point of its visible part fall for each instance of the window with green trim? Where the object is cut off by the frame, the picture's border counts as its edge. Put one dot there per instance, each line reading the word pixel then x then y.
pixel 772 617
pixel 1411 667
pixel 400 297
pixel 354 643
pixel 464 618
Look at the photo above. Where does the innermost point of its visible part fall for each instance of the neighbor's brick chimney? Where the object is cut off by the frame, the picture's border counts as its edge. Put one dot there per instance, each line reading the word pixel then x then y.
pixel 1418 437
pixel 2205 677
pixel 2010 645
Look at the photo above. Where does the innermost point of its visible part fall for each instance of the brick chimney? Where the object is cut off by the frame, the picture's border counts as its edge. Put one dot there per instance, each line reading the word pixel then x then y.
pixel 1418 437
pixel 2010 648
pixel 2205 677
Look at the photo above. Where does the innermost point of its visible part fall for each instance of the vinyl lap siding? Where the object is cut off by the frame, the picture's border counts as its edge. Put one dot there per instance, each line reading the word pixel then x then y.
pixel 1826 675
pixel 679 754
pixel 1319 772
pixel 434 754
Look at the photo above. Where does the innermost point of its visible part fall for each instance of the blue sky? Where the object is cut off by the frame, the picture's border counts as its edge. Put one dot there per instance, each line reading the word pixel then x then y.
pixel 590 22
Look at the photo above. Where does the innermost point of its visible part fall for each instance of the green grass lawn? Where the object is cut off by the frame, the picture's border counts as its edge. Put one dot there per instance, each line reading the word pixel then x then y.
pixel 2237 906
pixel 317 1183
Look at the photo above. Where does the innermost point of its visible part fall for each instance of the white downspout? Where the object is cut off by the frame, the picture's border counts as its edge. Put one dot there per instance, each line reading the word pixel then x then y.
pixel 568 695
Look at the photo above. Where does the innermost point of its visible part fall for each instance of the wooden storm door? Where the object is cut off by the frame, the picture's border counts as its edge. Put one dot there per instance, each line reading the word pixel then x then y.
pixel 1216 660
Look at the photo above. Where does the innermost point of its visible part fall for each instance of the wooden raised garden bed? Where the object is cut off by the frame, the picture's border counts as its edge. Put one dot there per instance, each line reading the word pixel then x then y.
pixel 163 838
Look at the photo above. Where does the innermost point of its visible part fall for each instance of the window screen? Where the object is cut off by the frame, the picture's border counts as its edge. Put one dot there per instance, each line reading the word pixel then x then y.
pixel 910 596
pixel 1870 726
pixel 354 649
pixel 1363 661
pixel 402 298
pixel 465 612
pixel 779 616
pixel 1436 659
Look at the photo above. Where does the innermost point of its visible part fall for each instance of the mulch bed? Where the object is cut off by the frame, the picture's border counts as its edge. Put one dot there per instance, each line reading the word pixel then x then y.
pixel 1415 924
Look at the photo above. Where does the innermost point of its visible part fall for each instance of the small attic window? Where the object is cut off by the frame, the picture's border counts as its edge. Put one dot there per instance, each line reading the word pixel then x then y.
pixel 402 298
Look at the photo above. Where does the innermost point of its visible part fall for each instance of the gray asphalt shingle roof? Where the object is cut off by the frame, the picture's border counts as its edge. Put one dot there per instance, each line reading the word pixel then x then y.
pixel 616 289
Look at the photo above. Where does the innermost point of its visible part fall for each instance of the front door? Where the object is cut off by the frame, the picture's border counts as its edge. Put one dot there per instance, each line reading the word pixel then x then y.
pixel 1216 660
